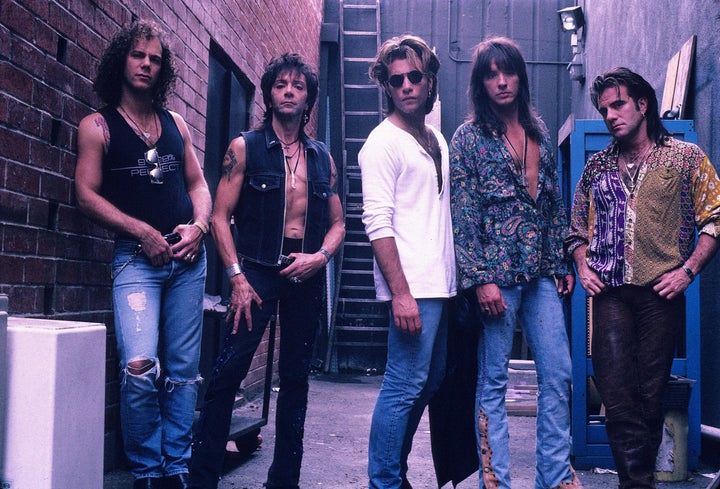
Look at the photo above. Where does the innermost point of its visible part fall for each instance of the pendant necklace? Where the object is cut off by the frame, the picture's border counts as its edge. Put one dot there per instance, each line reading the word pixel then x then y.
pixel 288 160
pixel 142 132
pixel 286 146
pixel 633 164
pixel 519 164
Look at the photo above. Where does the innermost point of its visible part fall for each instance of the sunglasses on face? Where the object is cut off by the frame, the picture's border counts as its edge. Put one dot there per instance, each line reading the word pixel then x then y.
pixel 156 174
pixel 396 81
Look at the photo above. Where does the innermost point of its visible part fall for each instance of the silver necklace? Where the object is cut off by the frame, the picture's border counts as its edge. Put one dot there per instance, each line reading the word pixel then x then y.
pixel 143 133
pixel 288 159
pixel 633 164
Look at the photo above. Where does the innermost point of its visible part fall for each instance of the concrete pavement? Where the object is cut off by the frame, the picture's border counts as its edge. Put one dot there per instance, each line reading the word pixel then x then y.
pixel 336 435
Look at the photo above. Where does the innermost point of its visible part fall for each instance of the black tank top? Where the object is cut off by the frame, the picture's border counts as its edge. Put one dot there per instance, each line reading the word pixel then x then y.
pixel 126 179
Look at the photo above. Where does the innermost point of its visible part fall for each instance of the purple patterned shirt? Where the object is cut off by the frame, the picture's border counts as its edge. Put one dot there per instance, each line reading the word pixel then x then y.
pixel 633 237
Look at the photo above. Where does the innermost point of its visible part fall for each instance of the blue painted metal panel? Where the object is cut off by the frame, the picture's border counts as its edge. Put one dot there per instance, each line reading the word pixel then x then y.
pixel 590 446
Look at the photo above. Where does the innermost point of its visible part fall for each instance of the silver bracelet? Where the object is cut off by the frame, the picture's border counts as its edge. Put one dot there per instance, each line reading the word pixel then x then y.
pixel 326 254
pixel 202 227
pixel 233 270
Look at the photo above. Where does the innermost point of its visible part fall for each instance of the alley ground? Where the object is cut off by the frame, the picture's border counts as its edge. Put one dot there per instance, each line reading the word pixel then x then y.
pixel 336 443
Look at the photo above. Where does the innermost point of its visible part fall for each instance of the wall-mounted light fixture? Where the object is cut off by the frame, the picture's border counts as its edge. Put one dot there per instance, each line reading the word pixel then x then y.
pixel 572 20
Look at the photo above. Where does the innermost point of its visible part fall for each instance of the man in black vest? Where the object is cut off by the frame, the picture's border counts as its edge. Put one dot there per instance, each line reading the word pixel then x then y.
pixel 278 185
pixel 137 174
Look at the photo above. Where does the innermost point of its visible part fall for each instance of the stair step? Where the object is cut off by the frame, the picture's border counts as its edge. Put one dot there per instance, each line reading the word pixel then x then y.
pixel 362 301
pixel 360 33
pixel 359 6
pixel 362 344
pixel 361 112
pixel 348 59
pixel 362 328
pixel 359 261
pixel 357 272
pixel 359 247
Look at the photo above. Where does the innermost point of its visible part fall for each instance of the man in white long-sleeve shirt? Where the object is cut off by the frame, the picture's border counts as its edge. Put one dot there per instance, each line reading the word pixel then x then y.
pixel 406 213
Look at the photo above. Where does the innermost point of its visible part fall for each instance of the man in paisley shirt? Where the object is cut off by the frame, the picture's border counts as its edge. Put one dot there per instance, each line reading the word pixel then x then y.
pixel 634 215
pixel 509 224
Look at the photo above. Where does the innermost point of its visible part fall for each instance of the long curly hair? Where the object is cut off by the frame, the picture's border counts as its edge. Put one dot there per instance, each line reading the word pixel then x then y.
pixel 288 62
pixel 507 56
pixel 111 71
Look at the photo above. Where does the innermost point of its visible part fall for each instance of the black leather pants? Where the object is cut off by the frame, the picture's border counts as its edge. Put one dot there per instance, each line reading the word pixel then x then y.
pixel 633 344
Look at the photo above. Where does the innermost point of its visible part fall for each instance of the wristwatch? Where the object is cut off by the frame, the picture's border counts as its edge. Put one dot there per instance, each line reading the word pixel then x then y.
pixel 325 253
pixel 689 272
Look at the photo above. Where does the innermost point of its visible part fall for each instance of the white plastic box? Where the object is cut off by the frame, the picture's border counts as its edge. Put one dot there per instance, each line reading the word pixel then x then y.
pixel 55 405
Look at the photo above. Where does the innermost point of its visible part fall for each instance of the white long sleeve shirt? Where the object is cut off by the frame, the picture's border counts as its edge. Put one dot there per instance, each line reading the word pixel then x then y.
pixel 401 200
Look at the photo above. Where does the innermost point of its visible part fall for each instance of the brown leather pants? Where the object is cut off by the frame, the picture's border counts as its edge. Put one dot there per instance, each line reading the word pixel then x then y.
pixel 634 336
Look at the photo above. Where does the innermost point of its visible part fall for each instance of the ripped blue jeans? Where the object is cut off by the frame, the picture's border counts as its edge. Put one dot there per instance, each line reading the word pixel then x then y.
pixel 158 323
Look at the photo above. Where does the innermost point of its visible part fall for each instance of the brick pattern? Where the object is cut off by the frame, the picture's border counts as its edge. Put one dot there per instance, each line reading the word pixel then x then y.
pixel 54 262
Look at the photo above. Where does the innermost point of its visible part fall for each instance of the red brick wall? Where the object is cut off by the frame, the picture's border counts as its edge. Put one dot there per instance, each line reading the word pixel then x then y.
pixel 53 261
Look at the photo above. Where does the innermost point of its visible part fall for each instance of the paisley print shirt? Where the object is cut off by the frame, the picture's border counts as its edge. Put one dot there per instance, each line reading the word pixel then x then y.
pixel 502 235
pixel 633 237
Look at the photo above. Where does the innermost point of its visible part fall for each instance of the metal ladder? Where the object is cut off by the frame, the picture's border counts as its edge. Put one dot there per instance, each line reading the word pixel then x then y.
pixel 358 333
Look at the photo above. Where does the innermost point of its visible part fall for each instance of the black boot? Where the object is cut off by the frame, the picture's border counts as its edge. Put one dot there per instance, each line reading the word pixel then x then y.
pixel 635 467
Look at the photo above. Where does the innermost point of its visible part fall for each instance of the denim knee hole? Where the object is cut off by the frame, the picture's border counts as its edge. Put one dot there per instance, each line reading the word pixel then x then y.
pixel 142 367
pixel 171 383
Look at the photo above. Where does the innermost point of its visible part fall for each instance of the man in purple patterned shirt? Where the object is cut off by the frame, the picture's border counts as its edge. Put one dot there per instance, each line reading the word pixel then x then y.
pixel 634 215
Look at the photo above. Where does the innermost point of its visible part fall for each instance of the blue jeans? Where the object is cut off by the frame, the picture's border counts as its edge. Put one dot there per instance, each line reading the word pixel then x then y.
pixel 158 322
pixel 299 310
pixel 414 371
pixel 540 312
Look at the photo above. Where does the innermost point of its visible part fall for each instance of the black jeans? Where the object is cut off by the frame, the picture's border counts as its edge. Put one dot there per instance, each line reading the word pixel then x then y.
pixel 635 332
pixel 299 312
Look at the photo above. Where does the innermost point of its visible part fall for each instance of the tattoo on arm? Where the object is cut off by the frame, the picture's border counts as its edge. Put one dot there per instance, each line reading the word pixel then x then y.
pixel 229 162
pixel 102 124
